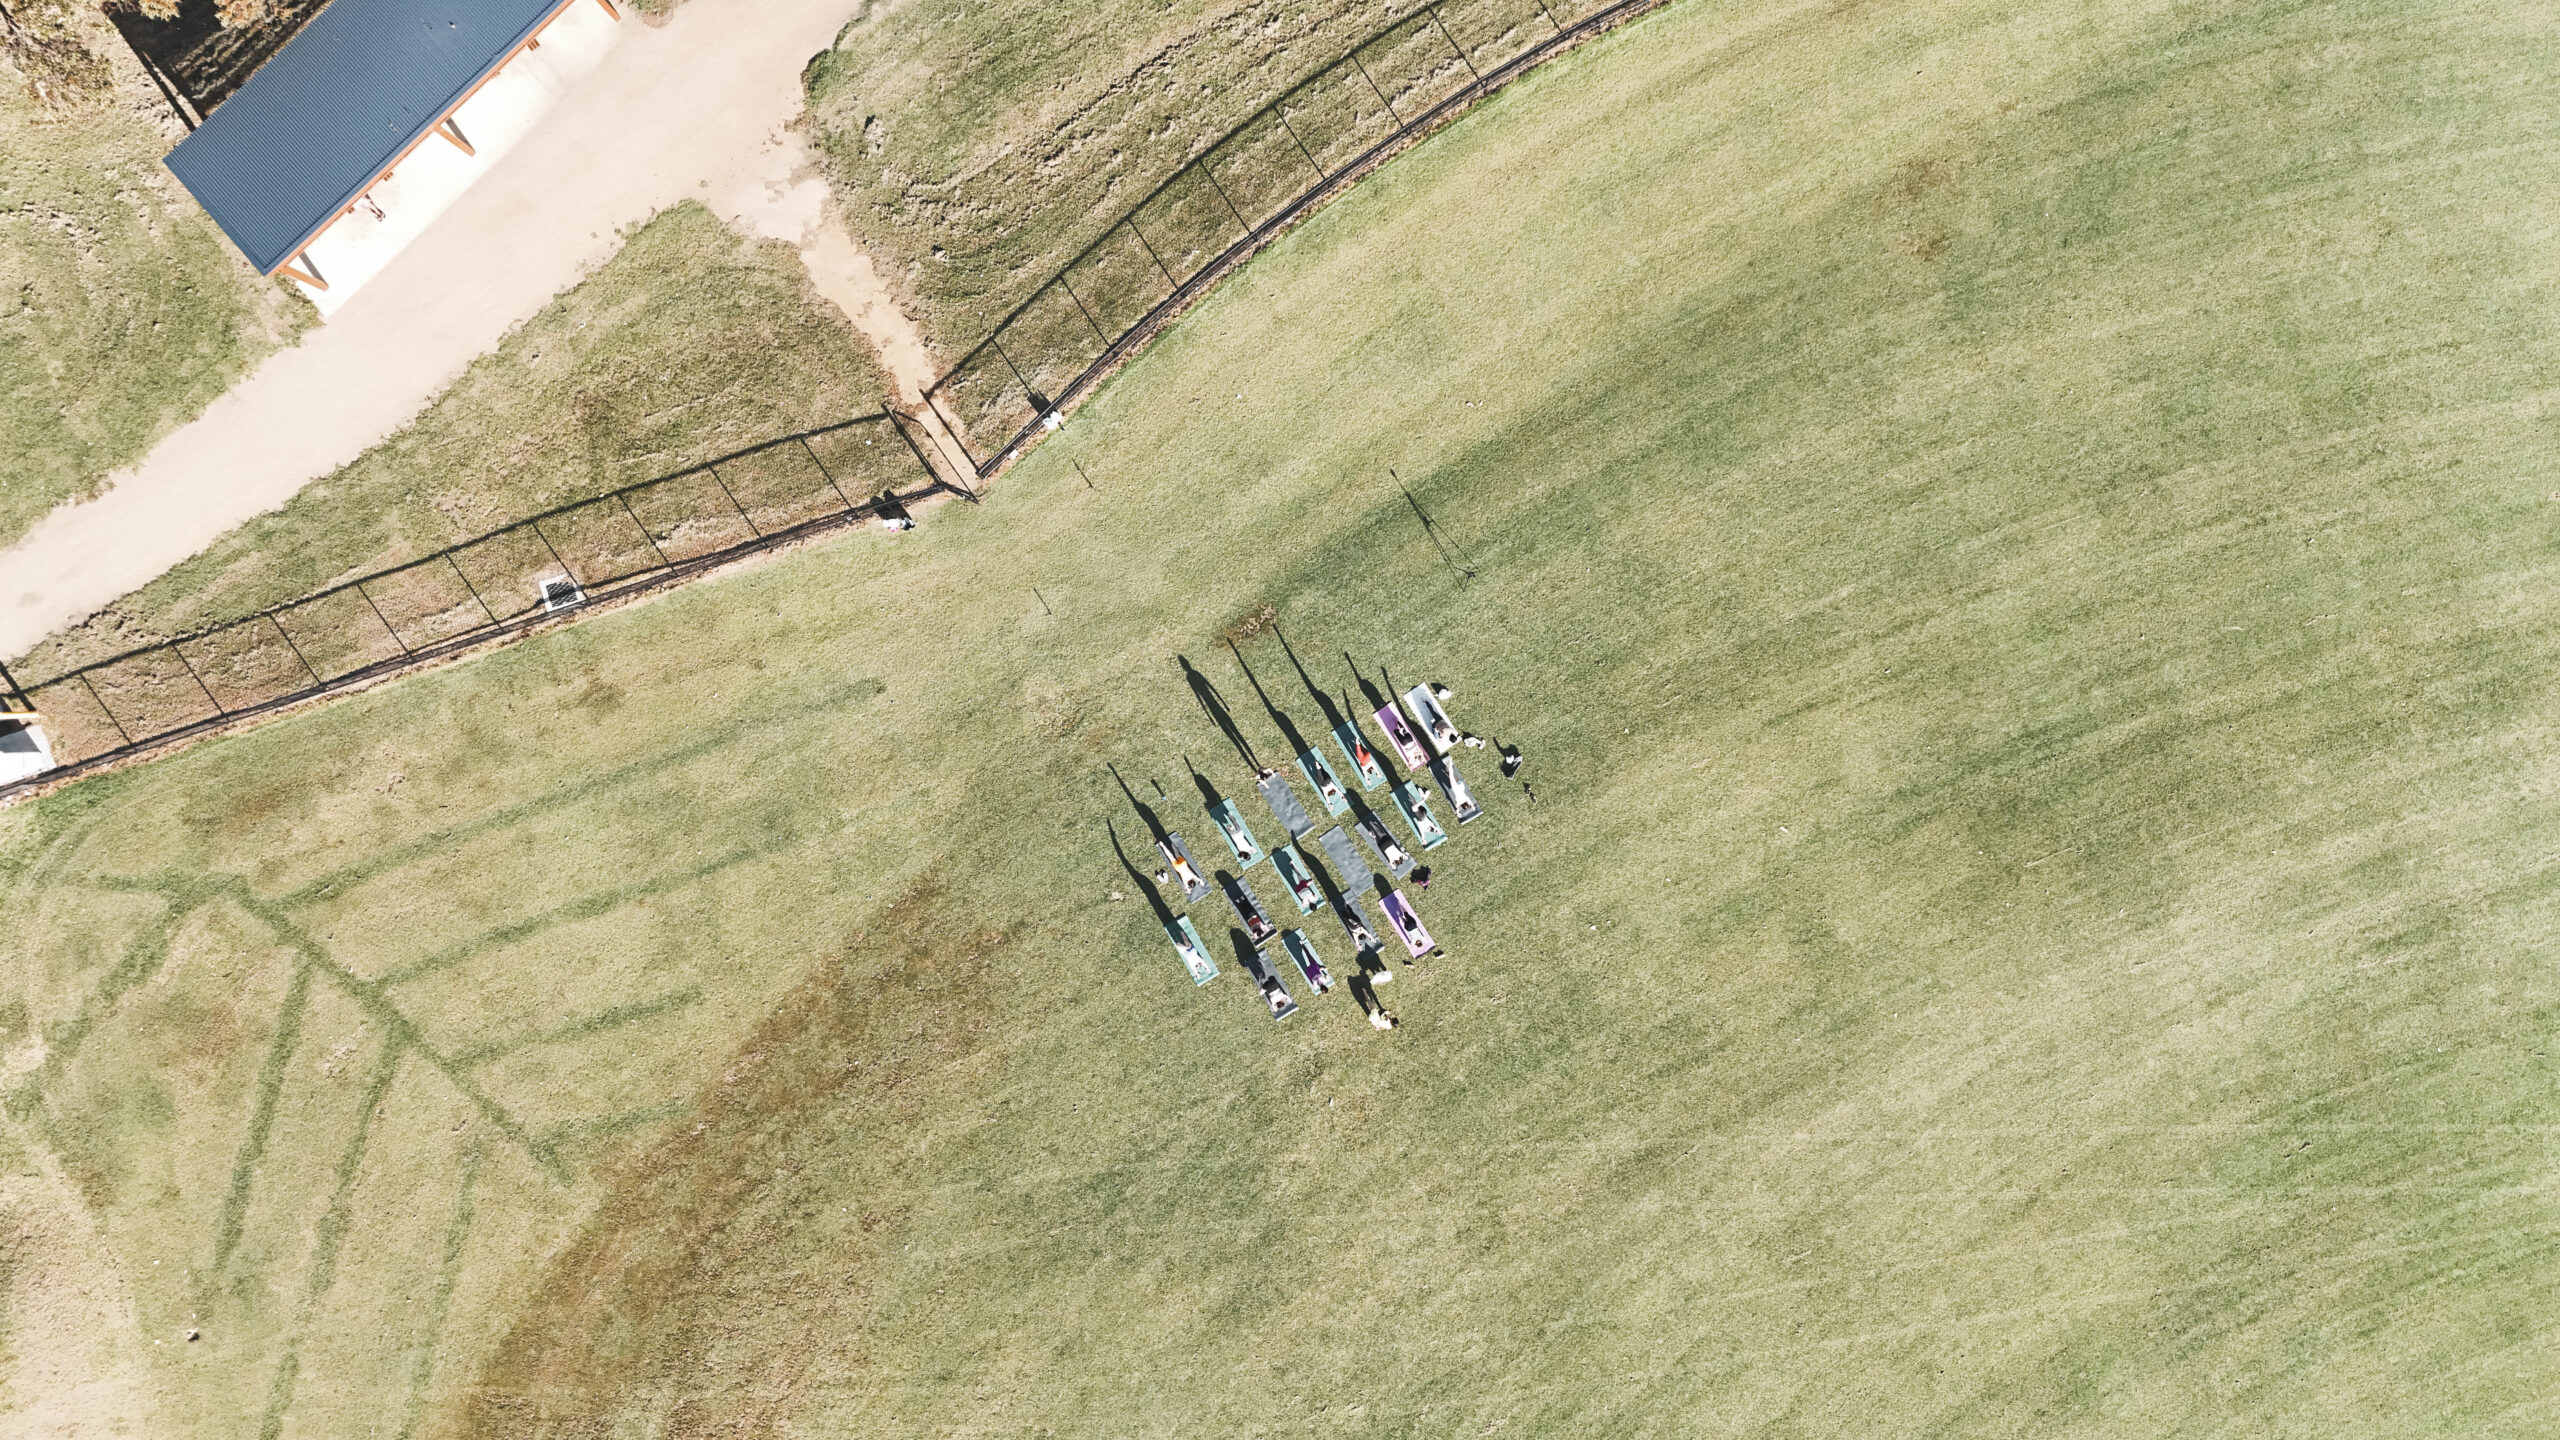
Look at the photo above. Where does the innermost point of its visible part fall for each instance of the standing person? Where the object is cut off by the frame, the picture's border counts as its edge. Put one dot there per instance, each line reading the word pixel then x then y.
pixel 1511 760
pixel 1422 878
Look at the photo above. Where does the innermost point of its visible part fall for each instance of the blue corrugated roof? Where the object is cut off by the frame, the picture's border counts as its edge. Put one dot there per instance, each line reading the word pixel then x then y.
pixel 344 98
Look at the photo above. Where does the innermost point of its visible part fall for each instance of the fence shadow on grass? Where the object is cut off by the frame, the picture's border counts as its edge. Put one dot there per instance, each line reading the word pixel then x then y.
pixel 511 579
pixel 1394 86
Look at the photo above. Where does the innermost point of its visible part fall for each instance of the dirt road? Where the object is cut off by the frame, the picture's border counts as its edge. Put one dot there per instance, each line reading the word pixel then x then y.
pixel 686 111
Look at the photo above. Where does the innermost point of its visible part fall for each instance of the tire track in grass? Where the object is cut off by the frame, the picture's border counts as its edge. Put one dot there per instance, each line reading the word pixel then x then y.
pixel 457 1230
pixel 331 1234
pixel 564 797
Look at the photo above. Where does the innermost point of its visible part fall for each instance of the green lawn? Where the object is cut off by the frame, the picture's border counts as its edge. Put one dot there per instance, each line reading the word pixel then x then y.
pixel 2017 541
pixel 123 311
pixel 689 344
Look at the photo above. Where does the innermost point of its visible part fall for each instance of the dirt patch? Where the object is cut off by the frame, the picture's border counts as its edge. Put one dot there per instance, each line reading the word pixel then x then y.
pixel 1256 621
pixel 721 1273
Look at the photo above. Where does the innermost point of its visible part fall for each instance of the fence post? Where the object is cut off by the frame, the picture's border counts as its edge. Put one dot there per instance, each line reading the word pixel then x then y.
pixel 297 650
pixel 1087 314
pixel 385 619
pixel 733 501
pixel 104 709
pixel 824 473
pixel 926 465
pixel 467 585
pixel 218 711
pixel 1131 220
pixel 625 497
pixel 1212 177
pixel 1373 86
pixel 536 527
pixel 1301 144
pixel 1434 12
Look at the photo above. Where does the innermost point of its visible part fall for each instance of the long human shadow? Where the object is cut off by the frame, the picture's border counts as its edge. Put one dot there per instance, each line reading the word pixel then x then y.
pixel 1288 728
pixel 1377 701
pixel 1155 827
pixel 1214 705
pixel 1137 877
pixel 1324 701
pixel 1209 792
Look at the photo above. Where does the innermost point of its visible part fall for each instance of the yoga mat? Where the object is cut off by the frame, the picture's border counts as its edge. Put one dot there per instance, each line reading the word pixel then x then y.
pixel 1431 720
pixel 1239 839
pixel 1303 950
pixel 1417 942
pixel 1301 882
pixel 1417 813
pixel 1349 865
pixel 1195 955
pixel 1382 843
pixel 1408 745
pixel 1355 748
pixel 1195 886
pixel 1257 926
pixel 1328 786
pixel 1284 804
pixel 1462 801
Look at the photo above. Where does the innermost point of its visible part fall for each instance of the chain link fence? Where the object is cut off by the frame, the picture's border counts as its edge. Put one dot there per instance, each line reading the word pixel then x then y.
pixel 631 539
pixel 1397 84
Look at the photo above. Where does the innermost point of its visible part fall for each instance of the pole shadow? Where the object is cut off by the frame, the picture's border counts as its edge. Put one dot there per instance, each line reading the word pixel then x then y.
pixel 1214 705
pixel 1430 530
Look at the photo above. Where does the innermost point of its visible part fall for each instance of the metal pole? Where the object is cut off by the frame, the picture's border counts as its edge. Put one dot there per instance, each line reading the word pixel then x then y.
pixel 1374 90
pixel 536 527
pixel 385 619
pixel 714 472
pixel 467 585
pixel 1131 220
pixel 1088 315
pixel 1434 12
pixel 625 498
pixel 296 649
pixel 1301 144
pixel 1550 14
pixel 1212 177
pixel 12 682
pixel 88 685
pixel 192 675
pixel 823 473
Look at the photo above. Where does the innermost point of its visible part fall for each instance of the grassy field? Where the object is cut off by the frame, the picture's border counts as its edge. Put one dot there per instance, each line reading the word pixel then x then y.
pixel 978 148
pixel 2015 538
pixel 690 343
pixel 123 311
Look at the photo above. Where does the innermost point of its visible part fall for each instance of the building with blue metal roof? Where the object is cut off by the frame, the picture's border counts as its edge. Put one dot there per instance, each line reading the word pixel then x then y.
pixel 338 108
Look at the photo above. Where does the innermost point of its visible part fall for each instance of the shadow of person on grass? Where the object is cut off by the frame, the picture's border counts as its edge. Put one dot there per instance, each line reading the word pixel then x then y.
pixel 1155 827
pixel 1209 795
pixel 1377 702
pixel 1138 878
pixel 1214 705
pixel 1324 701
pixel 1288 728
